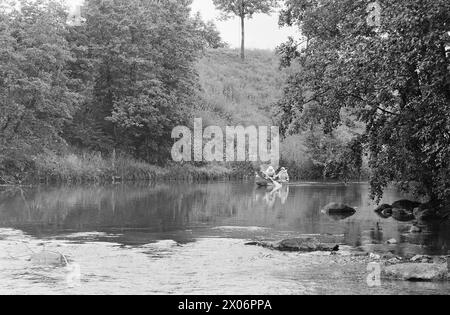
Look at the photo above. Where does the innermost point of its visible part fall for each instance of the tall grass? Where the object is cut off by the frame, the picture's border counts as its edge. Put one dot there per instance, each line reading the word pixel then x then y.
pixel 92 167
pixel 240 92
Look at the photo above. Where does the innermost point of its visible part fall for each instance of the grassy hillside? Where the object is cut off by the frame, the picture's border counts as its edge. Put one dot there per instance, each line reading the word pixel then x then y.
pixel 236 91
pixel 245 92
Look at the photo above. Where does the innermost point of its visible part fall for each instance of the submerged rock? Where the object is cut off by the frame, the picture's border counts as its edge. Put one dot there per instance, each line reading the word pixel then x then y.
pixel 417 272
pixel 298 245
pixel 46 258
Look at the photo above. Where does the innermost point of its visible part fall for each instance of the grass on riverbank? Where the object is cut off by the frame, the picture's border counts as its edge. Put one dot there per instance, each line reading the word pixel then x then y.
pixel 89 167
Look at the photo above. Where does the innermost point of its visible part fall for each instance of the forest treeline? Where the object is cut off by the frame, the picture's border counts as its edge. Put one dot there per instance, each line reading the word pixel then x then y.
pixel 115 84
pixel 99 99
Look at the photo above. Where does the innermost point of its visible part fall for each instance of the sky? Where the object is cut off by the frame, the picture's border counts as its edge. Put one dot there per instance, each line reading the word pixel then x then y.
pixel 262 31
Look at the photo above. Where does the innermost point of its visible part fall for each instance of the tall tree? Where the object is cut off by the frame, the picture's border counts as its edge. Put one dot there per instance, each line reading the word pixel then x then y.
pixel 142 54
pixel 395 78
pixel 37 93
pixel 244 9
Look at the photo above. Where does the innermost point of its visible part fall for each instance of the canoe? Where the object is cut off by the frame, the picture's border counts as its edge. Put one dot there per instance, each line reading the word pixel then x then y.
pixel 264 183
pixel 270 184
pixel 261 182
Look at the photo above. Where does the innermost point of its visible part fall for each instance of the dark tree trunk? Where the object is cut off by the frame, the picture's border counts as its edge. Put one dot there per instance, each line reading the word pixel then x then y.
pixel 243 37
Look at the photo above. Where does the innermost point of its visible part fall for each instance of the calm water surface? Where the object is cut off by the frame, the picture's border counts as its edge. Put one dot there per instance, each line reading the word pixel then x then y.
pixel 184 238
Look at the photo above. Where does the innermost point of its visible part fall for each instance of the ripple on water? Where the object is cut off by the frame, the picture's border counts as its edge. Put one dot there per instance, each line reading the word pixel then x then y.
pixel 206 266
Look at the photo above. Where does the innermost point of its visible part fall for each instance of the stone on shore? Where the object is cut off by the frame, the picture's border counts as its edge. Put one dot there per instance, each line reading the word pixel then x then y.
pixel 417 272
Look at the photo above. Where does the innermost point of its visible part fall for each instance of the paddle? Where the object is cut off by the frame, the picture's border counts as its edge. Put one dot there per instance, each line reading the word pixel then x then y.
pixel 277 184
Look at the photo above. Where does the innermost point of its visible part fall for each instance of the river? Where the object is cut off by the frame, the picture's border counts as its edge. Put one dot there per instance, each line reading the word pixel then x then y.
pixel 189 238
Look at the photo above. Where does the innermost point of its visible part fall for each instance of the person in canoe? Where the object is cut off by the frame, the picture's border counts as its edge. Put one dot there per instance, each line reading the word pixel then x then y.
pixel 283 176
pixel 267 178
pixel 270 173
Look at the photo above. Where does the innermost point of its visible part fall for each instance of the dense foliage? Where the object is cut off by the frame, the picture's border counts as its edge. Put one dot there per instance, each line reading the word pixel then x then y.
pixel 118 80
pixel 395 78
pixel 141 55
pixel 37 93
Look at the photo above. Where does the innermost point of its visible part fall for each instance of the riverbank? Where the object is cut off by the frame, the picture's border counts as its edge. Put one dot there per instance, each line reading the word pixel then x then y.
pixel 95 168
pixel 88 167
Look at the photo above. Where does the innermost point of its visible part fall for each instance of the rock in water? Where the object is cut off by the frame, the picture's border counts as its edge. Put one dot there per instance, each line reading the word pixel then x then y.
pixel 340 216
pixel 406 205
pixel 422 258
pixel 415 229
pixel 338 208
pixel 417 272
pixel 384 211
pixel 46 258
pixel 298 245
pixel 305 245
pixel 394 261
pixel 387 212
pixel 381 208
pixel 430 211
pixel 392 242
pixel 426 215
pixel 402 215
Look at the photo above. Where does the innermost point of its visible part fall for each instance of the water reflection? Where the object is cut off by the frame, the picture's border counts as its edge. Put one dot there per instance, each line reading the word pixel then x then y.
pixel 140 212
pixel 168 239
pixel 272 195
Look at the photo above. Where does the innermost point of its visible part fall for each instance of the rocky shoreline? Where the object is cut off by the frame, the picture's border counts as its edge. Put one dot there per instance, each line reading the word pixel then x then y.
pixel 406 211
pixel 394 267
pixel 417 268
